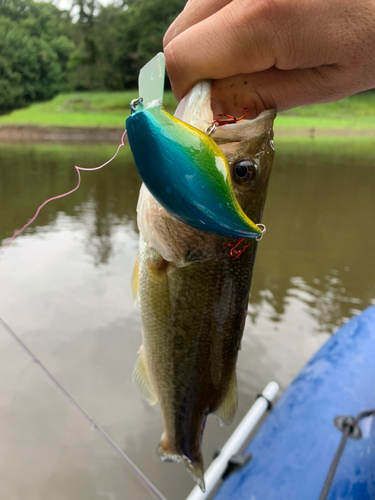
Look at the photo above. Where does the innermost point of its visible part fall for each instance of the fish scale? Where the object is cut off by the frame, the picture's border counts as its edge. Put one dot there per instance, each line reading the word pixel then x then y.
pixel 168 297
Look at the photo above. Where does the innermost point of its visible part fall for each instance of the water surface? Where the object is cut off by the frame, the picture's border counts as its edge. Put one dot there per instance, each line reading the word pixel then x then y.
pixel 64 289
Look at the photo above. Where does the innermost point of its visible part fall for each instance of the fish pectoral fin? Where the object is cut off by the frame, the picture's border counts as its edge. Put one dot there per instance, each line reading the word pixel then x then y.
pixel 227 410
pixel 134 283
pixel 142 381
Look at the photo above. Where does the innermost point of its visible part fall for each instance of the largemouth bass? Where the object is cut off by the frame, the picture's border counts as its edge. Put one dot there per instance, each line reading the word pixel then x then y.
pixel 193 287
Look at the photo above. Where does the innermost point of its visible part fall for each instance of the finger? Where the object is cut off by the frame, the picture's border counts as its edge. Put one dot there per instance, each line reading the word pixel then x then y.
pixel 194 12
pixel 221 45
pixel 280 89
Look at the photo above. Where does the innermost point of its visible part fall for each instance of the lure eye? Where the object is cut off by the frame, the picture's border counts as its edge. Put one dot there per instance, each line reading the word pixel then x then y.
pixel 245 171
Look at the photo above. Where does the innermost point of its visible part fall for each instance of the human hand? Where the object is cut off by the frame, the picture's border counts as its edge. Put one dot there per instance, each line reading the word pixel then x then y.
pixel 277 54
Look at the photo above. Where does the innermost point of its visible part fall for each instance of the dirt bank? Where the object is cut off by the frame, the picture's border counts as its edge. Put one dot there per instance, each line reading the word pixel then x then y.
pixel 31 133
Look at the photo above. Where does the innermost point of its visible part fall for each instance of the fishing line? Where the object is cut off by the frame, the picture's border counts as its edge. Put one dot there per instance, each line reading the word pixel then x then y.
pixel 65 194
pixel 146 483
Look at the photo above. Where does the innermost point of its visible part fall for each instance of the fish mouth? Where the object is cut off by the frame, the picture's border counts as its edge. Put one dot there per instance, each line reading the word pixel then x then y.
pixel 195 109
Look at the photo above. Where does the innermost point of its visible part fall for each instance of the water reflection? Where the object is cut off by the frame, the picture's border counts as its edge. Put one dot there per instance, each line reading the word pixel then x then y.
pixel 105 201
pixel 99 226
pixel 322 242
pixel 64 285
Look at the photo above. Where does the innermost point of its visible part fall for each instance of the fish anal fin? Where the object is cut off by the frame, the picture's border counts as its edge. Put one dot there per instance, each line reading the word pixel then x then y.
pixel 194 467
pixel 142 381
pixel 228 407
pixel 134 284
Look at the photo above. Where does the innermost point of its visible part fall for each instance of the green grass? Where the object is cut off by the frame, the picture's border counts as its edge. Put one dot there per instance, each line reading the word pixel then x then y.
pixel 359 105
pixel 357 112
pixel 325 122
pixel 81 109
pixel 110 109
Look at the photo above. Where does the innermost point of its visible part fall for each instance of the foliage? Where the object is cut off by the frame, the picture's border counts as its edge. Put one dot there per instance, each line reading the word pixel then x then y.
pixel 34 52
pixel 113 44
pixel 44 51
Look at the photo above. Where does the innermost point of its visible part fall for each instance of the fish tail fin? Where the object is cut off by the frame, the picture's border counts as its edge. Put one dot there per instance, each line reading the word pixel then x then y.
pixel 194 467
pixel 196 470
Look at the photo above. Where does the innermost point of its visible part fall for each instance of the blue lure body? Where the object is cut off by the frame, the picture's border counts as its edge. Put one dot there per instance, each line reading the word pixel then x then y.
pixel 186 172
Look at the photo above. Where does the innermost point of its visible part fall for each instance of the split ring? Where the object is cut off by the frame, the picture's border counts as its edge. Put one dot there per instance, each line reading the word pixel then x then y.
pixel 263 228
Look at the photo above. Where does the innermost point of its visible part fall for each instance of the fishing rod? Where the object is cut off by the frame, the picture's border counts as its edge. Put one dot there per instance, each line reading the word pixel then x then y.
pixel 146 483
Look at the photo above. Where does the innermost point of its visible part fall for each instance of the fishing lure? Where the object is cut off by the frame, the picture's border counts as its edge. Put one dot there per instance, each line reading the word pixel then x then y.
pixel 181 166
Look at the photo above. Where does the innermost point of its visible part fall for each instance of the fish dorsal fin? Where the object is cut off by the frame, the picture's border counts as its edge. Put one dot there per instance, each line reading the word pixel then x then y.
pixel 141 380
pixel 227 410
pixel 134 283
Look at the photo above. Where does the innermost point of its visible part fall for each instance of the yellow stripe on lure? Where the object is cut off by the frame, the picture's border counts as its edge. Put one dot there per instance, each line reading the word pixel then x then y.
pixel 185 171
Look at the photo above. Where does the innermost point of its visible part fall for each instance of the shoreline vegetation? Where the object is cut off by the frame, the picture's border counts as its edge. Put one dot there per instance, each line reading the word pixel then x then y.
pixel 100 117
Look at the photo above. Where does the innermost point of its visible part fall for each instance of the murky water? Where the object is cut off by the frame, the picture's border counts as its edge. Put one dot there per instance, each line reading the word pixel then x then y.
pixel 64 289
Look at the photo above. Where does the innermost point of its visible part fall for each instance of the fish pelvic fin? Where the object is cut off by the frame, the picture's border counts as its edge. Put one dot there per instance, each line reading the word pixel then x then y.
pixel 228 407
pixel 134 284
pixel 141 380
pixel 194 467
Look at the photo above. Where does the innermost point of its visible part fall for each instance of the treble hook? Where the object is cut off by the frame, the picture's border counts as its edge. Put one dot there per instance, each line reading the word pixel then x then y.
pixel 231 119
pixel 234 253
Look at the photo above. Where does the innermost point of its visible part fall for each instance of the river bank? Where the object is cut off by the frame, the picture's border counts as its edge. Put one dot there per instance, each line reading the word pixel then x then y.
pixel 77 135
pixel 95 135
pixel 99 117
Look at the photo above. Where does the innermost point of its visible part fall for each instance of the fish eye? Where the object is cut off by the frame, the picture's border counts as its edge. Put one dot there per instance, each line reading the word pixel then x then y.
pixel 245 171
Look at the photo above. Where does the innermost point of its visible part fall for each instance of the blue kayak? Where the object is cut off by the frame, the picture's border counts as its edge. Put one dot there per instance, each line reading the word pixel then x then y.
pixel 293 450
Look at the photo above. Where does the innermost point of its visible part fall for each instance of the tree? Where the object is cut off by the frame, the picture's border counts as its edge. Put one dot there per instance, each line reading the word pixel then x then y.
pixel 42 52
pixel 114 45
pixel 34 52
pixel 141 33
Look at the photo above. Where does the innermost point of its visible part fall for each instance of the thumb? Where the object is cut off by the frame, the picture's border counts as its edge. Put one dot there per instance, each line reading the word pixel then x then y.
pixel 278 89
